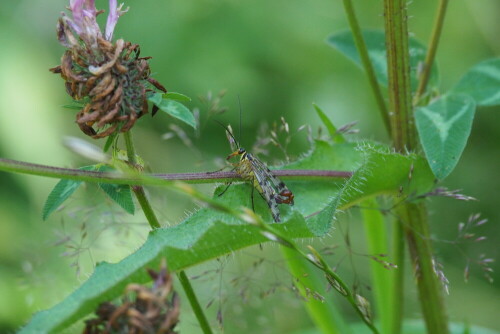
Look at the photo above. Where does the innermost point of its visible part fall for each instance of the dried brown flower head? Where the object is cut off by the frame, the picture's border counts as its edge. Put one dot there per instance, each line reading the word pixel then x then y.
pixel 143 310
pixel 111 79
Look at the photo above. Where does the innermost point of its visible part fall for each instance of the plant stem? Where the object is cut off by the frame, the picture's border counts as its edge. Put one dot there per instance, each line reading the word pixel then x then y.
pixel 156 179
pixel 129 144
pixel 323 313
pixel 367 64
pixel 398 65
pixel 397 293
pixel 431 52
pixel 376 237
pixel 140 194
pixel 429 287
pixel 413 216
pixel 195 305
pixel 154 223
pixel 139 190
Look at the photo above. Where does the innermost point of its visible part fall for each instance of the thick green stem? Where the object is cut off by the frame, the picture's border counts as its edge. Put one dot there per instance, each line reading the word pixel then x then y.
pixel 367 64
pixel 429 286
pixel 195 305
pixel 397 294
pixel 154 223
pixel 398 65
pixel 413 216
pixel 431 52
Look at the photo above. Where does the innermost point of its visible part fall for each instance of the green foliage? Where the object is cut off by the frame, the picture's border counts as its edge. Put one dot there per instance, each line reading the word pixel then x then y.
pixel 208 234
pixel 418 327
pixel 444 127
pixel 175 109
pixel 61 192
pixel 120 194
pixel 176 96
pixel 482 83
pixel 329 125
pixel 375 42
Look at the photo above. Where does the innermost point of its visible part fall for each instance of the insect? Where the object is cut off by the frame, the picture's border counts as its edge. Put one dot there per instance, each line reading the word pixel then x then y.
pixel 251 169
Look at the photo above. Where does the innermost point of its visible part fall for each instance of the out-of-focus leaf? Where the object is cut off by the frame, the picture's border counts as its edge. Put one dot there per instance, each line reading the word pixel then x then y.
pixel 61 192
pixel 119 193
pixel 418 327
pixel 444 127
pixel 375 43
pixel 173 108
pixel 109 141
pixel 338 138
pixel 482 82
pixel 176 96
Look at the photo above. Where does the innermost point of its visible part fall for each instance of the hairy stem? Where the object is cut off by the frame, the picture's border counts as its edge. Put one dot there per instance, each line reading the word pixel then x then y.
pixel 431 52
pixel 404 138
pixel 367 64
pixel 398 65
pixel 154 223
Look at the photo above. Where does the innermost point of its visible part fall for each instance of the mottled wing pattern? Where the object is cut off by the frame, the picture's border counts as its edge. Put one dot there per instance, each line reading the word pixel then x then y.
pixel 271 187
pixel 269 195
pixel 283 194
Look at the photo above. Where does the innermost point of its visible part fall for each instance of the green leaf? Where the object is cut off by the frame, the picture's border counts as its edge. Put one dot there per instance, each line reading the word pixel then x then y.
pixel 337 138
pixel 176 96
pixel 156 98
pixel 61 192
pixel 375 42
pixel 418 327
pixel 444 127
pixel 482 82
pixel 209 234
pixel 109 141
pixel 174 109
pixel 120 193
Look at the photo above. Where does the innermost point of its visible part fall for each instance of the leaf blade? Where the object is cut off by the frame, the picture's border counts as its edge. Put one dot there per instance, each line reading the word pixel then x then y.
pixel 343 41
pixel 444 127
pixel 332 130
pixel 119 193
pixel 482 83
pixel 174 109
pixel 61 192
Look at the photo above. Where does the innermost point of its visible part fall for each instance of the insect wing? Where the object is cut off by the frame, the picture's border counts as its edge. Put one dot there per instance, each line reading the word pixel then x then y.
pixel 268 193
pixel 282 193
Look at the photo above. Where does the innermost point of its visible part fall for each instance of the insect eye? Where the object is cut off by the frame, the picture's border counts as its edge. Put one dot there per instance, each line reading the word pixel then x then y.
pixel 241 150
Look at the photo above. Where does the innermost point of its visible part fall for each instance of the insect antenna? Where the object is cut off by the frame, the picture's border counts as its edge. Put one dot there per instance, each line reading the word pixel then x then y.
pixel 239 102
pixel 229 132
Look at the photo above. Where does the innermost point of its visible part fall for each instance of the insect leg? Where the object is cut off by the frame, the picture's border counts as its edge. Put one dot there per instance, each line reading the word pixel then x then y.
pixel 253 188
pixel 222 193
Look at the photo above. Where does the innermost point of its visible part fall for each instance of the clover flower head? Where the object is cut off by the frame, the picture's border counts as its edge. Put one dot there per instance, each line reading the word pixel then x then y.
pixel 110 78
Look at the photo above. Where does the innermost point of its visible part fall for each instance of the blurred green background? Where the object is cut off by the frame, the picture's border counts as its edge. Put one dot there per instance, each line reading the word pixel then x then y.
pixel 274 56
